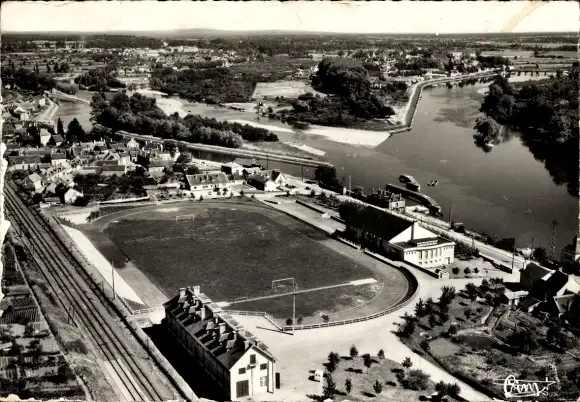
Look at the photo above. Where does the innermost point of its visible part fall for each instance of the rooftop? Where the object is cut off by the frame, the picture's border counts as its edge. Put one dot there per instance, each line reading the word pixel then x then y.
pixel 206 178
pixel 216 330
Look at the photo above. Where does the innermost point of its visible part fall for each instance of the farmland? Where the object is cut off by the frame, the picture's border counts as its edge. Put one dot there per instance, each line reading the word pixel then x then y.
pixel 235 250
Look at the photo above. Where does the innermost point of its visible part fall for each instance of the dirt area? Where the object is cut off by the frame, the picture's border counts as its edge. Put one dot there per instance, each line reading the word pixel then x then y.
pixel 287 89
pixel 477 268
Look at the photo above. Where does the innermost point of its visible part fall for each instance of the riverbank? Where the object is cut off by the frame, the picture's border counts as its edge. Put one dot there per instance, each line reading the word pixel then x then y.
pixel 49 112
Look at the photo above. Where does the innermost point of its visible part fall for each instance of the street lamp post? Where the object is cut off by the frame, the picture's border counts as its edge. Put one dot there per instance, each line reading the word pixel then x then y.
pixel 113 278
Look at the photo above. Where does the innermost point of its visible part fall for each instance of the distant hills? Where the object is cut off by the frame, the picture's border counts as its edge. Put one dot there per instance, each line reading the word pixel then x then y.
pixel 208 32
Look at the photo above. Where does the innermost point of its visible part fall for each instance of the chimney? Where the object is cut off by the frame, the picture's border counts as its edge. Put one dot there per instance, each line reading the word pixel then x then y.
pixel 202 313
pixel 222 328
pixel 181 293
pixel 246 345
pixel 235 338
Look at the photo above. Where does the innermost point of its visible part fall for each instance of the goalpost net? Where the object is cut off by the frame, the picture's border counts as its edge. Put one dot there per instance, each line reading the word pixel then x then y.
pixel 284 284
pixel 185 217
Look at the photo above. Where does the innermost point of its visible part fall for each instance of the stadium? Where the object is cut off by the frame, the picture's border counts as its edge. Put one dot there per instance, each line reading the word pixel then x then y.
pixel 245 256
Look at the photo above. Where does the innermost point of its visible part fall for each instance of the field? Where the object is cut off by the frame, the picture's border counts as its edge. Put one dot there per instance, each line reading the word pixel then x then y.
pixel 235 250
pixel 287 89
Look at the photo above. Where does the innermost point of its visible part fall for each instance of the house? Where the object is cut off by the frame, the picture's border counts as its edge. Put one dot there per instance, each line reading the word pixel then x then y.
pixel 159 165
pixel 33 182
pixel 399 237
pixel 57 159
pixel 44 136
pixel 532 274
pixel 71 196
pixel 261 182
pixel 23 162
pixel 232 168
pixel 277 177
pixel 132 144
pixel 207 181
pixel 386 199
pixel 57 139
pixel 233 357
pixel 111 170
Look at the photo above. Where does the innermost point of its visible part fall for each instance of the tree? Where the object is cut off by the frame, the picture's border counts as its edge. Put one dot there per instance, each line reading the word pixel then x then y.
pixel 476 270
pixel 453 390
pixel 487 129
pixel 407 363
pixel 455 270
pixel 381 354
pixel 325 318
pixel 334 358
pixel 348 385
pixel 289 321
pixel 425 345
pixel 367 361
pixel 353 351
pixel 407 329
pixel 417 380
pixel 467 271
pixel 540 255
pixel 330 387
pixel 472 292
pixel 419 308
pixel 452 330
pixel 327 176
pixel 378 387
pixel 60 128
pixel 300 320
pixel 75 131
pixel 468 313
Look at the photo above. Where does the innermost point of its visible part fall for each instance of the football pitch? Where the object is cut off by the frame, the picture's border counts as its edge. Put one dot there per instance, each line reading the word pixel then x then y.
pixel 235 250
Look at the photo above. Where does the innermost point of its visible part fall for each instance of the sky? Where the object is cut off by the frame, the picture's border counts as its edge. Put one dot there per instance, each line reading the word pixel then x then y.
pixel 349 17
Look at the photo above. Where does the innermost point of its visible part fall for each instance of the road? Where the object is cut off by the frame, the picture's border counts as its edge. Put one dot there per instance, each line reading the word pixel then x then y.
pixel 125 361
pixel 502 256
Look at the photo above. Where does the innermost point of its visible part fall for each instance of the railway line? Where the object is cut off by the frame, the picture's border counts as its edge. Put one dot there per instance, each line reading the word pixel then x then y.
pixel 81 297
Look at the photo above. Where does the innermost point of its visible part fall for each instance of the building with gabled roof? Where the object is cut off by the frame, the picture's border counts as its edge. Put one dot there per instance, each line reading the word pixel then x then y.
pixel 207 181
pixel 400 237
pixel 232 356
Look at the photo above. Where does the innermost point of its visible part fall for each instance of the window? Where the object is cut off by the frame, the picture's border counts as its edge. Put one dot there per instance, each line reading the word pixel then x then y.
pixel 264 366
pixel 242 371
pixel 263 381
pixel 252 359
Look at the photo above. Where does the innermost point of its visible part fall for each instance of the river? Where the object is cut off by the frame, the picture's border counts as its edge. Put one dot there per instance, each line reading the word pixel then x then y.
pixel 504 192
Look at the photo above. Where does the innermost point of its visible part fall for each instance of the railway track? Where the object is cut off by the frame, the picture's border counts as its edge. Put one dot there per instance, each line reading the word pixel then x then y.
pixel 79 295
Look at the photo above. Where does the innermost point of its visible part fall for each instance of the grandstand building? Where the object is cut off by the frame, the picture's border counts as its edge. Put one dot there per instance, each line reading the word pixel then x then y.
pixel 240 364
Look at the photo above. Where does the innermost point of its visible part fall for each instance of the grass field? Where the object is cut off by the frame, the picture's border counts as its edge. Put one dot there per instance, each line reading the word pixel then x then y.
pixel 235 250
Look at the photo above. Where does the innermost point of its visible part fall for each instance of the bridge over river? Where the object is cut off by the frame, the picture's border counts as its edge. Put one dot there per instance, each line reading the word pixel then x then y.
pixel 57 95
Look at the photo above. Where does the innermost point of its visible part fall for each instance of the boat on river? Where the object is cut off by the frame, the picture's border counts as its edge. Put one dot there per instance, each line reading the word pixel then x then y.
pixel 410 182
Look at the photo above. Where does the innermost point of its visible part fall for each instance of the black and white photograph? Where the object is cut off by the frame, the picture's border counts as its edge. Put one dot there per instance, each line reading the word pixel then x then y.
pixel 346 201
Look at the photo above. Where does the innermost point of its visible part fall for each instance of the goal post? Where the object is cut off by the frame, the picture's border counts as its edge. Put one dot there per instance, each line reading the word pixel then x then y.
pixel 185 217
pixel 286 282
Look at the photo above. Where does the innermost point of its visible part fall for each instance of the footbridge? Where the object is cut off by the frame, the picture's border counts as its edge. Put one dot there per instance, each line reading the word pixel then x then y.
pixel 57 95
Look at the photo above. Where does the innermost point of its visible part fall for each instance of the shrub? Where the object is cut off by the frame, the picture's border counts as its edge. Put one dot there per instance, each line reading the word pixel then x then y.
pixel 348 385
pixel 425 345
pixel 381 354
pixel 353 351
pixel 407 363
pixel 378 387
pixel 417 380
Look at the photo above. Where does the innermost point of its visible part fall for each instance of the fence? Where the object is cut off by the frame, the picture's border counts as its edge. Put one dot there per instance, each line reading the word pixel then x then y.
pixel 125 200
pixel 350 243
pixel 255 314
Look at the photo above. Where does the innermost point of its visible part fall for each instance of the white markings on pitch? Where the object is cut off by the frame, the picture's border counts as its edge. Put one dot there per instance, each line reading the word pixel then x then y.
pixel 167 209
pixel 363 281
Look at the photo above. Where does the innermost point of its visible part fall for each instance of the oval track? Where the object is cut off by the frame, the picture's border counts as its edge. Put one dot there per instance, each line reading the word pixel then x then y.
pixel 71 284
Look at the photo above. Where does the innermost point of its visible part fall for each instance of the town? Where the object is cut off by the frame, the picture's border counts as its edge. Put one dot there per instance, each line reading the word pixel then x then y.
pixel 231 215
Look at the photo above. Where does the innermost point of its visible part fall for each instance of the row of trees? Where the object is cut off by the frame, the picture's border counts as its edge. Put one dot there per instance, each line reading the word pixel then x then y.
pixel 27 79
pixel 141 115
